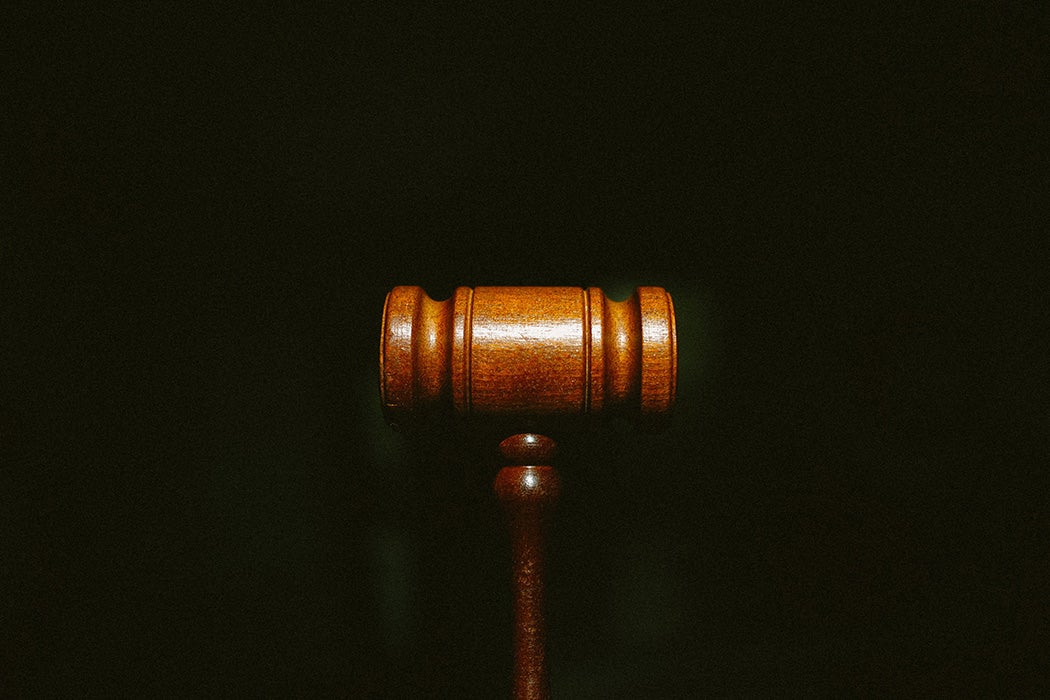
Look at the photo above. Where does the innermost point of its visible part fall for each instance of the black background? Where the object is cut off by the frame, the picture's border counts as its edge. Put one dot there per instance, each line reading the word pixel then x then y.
pixel 201 498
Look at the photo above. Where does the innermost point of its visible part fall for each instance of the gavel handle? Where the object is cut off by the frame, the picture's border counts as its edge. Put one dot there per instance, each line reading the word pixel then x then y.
pixel 528 494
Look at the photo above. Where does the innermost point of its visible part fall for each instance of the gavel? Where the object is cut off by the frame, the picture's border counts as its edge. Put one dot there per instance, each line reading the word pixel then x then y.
pixel 522 360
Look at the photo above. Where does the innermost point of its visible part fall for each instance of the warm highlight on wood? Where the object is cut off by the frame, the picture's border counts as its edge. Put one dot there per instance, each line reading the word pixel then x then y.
pixel 528 489
pixel 528 356
pixel 527 352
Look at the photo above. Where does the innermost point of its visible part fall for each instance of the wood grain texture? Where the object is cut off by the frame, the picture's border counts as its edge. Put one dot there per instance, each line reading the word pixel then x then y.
pixel 529 489
pixel 527 352
pixel 521 355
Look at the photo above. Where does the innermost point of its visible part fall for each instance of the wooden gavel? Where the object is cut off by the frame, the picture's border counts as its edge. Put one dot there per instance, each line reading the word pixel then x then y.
pixel 528 358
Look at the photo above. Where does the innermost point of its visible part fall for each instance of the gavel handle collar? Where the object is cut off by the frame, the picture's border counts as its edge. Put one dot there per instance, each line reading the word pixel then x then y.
pixel 528 494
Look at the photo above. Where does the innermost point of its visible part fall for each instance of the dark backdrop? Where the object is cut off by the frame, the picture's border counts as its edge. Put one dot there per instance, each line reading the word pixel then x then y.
pixel 200 497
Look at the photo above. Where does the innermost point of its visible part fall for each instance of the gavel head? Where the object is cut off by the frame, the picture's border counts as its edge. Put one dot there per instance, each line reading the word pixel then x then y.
pixel 516 354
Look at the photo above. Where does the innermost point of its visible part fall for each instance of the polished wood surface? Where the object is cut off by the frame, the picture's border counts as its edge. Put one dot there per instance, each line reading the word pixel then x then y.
pixel 524 352
pixel 527 357
pixel 528 488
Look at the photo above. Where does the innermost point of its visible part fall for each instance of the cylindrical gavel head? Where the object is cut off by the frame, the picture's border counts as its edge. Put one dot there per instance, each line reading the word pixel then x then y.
pixel 545 353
